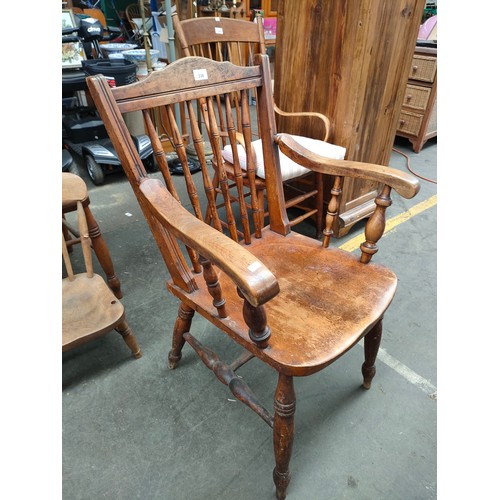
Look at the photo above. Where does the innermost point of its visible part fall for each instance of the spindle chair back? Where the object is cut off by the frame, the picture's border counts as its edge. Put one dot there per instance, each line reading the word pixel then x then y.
pixel 238 41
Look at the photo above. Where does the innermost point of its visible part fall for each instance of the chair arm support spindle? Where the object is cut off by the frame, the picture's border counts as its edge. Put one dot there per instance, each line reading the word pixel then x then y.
pixel 332 210
pixel 213 286
pixel 256 320
pixel 375 226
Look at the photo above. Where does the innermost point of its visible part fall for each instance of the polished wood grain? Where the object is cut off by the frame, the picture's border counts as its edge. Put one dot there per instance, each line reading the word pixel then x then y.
pixel 350 60
pixel 294 303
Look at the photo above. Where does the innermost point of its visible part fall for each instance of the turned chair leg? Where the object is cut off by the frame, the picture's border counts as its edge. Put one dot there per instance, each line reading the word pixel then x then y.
pixel 284 406
pixel 182 325
pixel 102 253
pixel 124 330
pixel 372 344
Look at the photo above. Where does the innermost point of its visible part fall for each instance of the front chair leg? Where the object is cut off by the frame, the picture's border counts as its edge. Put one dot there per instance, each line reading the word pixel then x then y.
pixel 124 330
pixel 182 325
pixel 284 406
pixel 372 343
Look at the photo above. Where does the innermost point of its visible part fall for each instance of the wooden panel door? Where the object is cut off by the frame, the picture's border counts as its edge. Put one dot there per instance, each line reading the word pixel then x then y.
pixel 347 59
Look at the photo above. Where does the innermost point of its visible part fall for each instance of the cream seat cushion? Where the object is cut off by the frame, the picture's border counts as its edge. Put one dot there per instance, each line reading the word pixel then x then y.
pixel 289 169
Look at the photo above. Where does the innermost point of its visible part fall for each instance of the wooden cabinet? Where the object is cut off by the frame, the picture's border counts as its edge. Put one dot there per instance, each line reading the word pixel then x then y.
pixel 347 59
pixel 418 118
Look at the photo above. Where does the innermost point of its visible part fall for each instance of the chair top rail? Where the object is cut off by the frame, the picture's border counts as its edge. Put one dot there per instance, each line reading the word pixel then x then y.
pixel 200 77
pixel 202 30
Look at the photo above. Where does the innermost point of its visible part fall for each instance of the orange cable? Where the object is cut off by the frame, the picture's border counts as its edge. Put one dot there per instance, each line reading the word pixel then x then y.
pixel 408 166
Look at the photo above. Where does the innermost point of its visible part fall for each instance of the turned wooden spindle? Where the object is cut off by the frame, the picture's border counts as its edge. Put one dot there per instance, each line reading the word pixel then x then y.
pixel 238 174
pixel 283 430
pixel 180 150
pixel 162 163
pixel 199 146
pixel 213 286
pixel 182 325
pixel 332 210
pixel 376 225
pixel 159 153
pixel 256 320
pixel 214 136
pixel 257 210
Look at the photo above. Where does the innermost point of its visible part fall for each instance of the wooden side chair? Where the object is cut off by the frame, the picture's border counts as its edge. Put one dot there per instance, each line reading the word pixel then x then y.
pixel 74 189
pixel 292 302
pixel 133 15
pixel 89 308
pixel 237 41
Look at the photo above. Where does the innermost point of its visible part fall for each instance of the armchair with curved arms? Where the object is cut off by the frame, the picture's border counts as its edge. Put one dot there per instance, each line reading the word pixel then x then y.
pixel 292 302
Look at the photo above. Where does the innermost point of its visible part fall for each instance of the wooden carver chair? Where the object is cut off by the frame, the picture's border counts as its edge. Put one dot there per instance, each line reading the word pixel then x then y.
pixel 295 303
pixel 74 189
pixel 89 308
pixel 237 41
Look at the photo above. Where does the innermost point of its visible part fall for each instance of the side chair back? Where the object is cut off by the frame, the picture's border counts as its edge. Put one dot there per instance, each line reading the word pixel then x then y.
pixel 239 41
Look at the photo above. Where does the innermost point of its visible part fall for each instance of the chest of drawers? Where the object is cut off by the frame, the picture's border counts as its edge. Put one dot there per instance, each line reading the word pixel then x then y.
pixel 418 117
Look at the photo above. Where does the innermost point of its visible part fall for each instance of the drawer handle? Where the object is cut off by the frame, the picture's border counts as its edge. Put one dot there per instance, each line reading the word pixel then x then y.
pixel 402 122
pixel 415 68
pixel 409 97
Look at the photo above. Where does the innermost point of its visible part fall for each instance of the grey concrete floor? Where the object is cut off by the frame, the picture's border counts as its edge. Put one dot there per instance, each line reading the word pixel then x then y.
pixel 132 429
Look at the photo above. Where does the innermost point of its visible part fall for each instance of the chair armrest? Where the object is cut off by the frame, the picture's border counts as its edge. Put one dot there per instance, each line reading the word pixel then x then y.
pixel 255 281
pixel 323 118
pixel 406 185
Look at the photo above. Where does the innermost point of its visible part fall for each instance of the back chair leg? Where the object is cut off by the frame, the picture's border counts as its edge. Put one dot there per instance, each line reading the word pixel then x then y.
pixel 284 410
pixel 102 253
pixel 124 330
pixel 372 344
pixel 182 325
